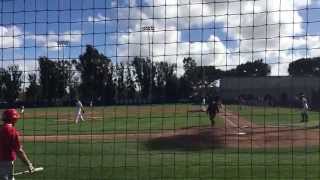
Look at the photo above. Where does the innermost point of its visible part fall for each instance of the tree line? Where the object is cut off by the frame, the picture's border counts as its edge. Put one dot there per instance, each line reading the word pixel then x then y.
pixel 94 77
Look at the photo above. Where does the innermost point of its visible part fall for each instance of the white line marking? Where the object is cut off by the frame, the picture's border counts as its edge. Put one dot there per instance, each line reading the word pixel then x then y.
pixel 236 126
pixel 232 123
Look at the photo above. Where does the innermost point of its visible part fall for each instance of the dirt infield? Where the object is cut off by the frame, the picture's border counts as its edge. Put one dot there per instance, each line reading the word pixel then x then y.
pixel 266 136
pixel 237 132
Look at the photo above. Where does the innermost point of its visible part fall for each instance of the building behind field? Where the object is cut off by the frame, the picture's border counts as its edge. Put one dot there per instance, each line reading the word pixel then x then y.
pixel 282 89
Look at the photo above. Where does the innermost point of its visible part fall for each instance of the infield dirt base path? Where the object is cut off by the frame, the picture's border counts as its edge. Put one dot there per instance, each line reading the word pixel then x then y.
pixel 242 133
pixel 236 133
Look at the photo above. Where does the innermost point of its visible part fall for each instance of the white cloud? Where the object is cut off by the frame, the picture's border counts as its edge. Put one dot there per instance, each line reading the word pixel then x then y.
pixel 113 3
pixel 100 19
pixel 165 43
pixel 167 46
pixel 313 45
pixel 10 37
pixel 266 29
pixel 131 3
pixel 50 41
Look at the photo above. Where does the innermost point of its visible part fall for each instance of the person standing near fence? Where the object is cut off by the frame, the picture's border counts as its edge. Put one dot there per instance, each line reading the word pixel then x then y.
pixel 10 146
pixel 79 111
pixel 305 108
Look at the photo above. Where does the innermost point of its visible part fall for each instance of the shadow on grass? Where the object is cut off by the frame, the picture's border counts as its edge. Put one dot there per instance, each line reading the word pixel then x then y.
pixel 186 142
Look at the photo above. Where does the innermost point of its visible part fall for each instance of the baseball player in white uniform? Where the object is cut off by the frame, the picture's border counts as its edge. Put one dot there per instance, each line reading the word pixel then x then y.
pixel 305 108
pixel 79 111
pixel 203 105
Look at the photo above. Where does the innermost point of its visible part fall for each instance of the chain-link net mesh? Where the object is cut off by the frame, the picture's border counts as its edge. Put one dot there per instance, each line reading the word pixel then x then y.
pixel 160 89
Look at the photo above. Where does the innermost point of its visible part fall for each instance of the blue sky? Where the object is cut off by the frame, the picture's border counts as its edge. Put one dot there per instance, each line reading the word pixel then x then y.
pixel 36 25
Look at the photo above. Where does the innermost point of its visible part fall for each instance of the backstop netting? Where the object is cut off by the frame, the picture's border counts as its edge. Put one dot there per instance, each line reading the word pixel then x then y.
pixel 161 89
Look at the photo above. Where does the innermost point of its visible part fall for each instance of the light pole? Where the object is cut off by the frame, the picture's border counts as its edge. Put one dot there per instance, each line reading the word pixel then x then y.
pixel 150 29
pixel 63 43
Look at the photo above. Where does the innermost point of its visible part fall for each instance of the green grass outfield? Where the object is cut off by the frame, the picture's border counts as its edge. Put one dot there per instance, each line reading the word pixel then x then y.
pixel 136 161
pixel 111 119
pixel 274 115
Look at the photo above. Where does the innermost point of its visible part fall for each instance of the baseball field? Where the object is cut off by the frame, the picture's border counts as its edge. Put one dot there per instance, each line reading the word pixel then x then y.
pixel 171 142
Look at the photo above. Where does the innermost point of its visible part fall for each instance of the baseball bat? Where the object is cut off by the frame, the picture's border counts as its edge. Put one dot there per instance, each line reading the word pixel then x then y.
pixel 38 169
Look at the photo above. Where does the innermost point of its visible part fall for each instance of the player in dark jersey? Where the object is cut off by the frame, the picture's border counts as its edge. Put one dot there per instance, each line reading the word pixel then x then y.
pixel 213 109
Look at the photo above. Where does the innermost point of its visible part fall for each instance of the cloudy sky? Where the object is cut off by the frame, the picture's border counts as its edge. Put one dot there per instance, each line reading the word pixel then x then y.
pixel 223 33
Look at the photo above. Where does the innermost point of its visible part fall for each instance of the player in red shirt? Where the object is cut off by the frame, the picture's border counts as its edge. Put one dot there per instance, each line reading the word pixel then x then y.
pixel 10 146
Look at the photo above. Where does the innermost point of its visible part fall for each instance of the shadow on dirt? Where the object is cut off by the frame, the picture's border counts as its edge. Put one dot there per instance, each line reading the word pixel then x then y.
pixel 186 142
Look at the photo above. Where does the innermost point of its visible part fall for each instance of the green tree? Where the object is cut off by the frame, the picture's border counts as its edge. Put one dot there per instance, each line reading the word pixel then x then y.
pixel 166 81
pixel 189 66
pixel 305 67
pixel 206 79
pixel 198 81
pixel 33 90
pixel 55 78
pixel 120 81
pixel 256 69
pixel 64 77
pixel 48 79
pixel 184 88
pixel 207 73
pixel 96 76
pixel 3 77
pixel 189 78
pixel 12 82
pixel 145 71
pixel 130 83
